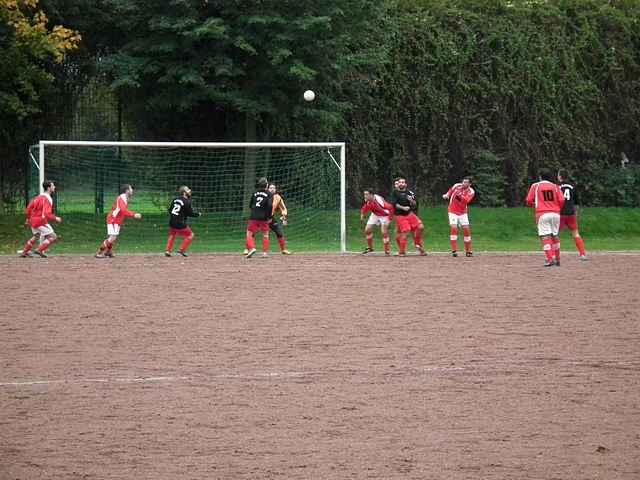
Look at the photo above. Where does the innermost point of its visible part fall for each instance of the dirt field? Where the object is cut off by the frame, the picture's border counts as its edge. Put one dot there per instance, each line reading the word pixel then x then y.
pixel 320 367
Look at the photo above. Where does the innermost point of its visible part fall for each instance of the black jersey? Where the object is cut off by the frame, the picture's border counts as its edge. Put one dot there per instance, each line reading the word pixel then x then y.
pixel 570 199
pixel 179 209
pixel 405 198
pixel 261 205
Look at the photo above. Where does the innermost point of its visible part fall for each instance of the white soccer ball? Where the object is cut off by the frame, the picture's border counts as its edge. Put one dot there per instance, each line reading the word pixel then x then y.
pixel 309 95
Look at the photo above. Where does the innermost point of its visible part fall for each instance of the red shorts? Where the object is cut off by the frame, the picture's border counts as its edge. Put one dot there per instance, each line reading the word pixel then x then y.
pixel 182 232
pixel 407 223
pixel 258 226
pixel 569 221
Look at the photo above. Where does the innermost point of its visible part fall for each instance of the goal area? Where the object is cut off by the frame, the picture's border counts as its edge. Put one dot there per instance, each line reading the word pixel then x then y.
pixel 309 176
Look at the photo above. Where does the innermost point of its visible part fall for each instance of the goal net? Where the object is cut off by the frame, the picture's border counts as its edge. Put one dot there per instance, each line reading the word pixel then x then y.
pixel 222 176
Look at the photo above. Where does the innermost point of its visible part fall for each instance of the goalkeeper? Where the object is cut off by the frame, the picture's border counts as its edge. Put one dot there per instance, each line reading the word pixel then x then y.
pixel 277 226
pixel 179 210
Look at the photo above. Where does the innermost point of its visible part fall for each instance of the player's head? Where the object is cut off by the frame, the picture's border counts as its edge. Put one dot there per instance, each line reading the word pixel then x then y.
pixel 562 175
pixel 49 186
pixel 272 188
pixel 185 191
pixel 400 183
pixel 262 183
pixel 368 194
pixel 466 182
pixel 127 189
pixel 545 174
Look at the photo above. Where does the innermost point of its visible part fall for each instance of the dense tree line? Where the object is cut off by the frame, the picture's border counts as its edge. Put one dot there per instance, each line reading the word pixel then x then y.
pixel 431 89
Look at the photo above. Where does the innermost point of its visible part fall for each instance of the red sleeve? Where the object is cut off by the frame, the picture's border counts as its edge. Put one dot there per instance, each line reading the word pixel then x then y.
pixel 560 195
pixel 49 212
pixel 29 210
pixel 530 195
pixel 468 196
pixel 365 208
pixel 123 208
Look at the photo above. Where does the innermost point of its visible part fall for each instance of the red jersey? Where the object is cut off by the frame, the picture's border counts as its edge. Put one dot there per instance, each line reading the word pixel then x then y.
pixel 119 210
pixel 378 206
pixel 545 197
pixel 459 198
pixel 40 210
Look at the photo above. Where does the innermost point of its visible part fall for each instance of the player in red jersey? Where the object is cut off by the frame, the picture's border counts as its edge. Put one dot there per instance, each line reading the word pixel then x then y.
pixel 39 213
pixel 547 199
pixel 405 204
pixel 179 210
pixel 381 214
pixel 569 212
pixel 115 219
pixel 459 196
pixel 261 213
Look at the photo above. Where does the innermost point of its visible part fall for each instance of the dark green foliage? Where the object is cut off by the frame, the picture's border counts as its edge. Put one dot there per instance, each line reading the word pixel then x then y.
pixel 430 89
pixel 488 179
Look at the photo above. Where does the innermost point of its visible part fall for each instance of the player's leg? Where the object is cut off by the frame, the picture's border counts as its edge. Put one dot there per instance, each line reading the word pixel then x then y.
pixel 26 250
pixel 417 227
pixel 250 243
pixel 384 229
pixel 278 229
pixel 47 237
pixel 466 229
pixel 46 243
pixel 187 235
pixel 402 228
pixel 170 241
pixel 106 247
pixel 368 234
pixel 572 224
pixel 453 233
pixel 579 244
pixel 554 221
pixel 545 232
pixel 265 238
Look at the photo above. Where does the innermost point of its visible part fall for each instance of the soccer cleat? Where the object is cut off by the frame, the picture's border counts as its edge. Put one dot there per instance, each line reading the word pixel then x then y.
pixel 167 254
pixel 387 252
pixel 26 255
pixel 251 253
pixel 367 250
pixel 556 262
pixel 265 254
pixel 548 263
pixel 245 251
pixel 468 254
pixel 184 254
pixel 108 254
pixel 454 253
pixel 401 254
pixel 286 252
pixel 583 258
pixel 100 255
pixel 40 254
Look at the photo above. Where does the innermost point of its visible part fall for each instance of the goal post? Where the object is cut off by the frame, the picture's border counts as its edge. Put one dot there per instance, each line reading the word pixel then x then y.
pixel 310 176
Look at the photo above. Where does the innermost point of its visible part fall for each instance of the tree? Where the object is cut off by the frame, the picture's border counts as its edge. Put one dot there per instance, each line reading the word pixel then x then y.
pixel 28 47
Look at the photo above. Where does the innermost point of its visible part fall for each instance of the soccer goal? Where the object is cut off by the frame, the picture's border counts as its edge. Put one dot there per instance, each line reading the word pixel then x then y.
pixel 310 177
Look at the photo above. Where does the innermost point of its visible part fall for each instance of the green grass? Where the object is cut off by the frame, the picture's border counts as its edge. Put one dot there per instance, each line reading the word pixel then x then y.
pixel 493 229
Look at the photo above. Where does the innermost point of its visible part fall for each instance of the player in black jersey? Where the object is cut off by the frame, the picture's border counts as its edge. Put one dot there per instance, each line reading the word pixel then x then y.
pixel 406 205
pixel 261 212
pixel 569 212
pixel 179 210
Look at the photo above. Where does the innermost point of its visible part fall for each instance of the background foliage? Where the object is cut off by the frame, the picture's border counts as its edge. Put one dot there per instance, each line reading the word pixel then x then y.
pixel 430 89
